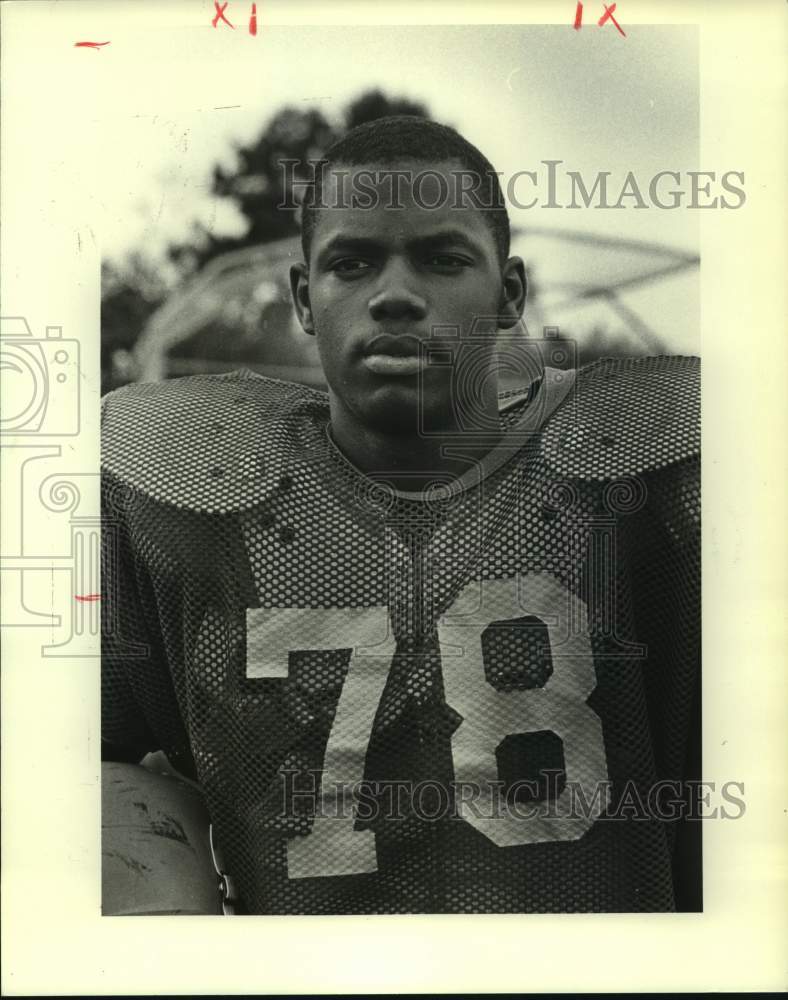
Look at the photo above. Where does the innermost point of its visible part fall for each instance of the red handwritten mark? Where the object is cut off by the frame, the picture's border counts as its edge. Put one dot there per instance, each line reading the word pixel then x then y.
pixel 88 597
pixel 89 45
pixel 253 20
pixel 578 16
pixel 609 15
pixel 221 8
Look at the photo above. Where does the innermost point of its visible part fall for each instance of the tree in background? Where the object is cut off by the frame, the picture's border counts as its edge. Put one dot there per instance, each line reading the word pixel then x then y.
pixel 133 290
pixel 256 185
pixel 130 293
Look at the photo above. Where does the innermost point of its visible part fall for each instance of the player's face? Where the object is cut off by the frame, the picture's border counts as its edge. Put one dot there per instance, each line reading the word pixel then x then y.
pixel 384 282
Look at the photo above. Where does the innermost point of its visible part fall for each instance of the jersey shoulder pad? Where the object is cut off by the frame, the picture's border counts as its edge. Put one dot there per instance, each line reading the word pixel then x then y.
pixel 207 443
pixel 626 417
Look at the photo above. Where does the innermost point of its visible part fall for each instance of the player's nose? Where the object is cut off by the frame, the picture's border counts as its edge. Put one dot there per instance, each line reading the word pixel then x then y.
pixel 396 295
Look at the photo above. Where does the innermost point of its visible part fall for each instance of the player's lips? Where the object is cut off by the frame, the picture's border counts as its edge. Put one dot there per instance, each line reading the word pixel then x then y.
pixel 394 355
pixel 398 346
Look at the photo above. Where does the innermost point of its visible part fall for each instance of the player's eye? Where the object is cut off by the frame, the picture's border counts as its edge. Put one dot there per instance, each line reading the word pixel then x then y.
pixel 350 265
pixel 448 261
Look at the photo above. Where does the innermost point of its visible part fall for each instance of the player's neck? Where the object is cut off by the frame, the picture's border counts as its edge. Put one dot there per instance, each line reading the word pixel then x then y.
pixel 411 462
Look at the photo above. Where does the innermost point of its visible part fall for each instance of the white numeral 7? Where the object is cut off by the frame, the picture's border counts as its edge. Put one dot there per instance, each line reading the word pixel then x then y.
pixel 333 847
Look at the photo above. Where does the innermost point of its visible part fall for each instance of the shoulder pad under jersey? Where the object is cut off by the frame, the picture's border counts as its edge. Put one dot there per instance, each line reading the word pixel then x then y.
pixel 209 443
pixel 625 417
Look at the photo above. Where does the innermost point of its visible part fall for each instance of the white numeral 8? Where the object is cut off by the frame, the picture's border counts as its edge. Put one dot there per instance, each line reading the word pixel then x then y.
pixel 489 715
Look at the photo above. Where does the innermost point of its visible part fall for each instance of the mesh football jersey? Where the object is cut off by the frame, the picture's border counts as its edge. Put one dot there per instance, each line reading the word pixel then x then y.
pixel 458 699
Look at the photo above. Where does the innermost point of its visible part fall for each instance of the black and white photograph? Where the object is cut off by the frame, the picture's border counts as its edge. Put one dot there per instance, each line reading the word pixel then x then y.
pixel 401 491
pixel 390 583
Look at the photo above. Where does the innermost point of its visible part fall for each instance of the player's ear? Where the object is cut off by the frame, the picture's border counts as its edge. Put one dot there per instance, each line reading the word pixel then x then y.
pixel 513 290
pixel 299 289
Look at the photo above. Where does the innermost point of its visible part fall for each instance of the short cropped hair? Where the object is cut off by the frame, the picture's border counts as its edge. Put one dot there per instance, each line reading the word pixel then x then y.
pixel 399 137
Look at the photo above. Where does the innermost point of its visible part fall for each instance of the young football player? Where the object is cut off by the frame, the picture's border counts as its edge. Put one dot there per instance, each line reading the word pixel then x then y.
pixel 423 645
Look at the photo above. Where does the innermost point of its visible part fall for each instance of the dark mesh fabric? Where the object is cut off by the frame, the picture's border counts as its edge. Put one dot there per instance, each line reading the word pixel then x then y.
pixel 285 628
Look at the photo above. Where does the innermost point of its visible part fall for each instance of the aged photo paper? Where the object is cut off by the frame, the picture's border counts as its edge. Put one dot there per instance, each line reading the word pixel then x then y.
pixel 642 148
